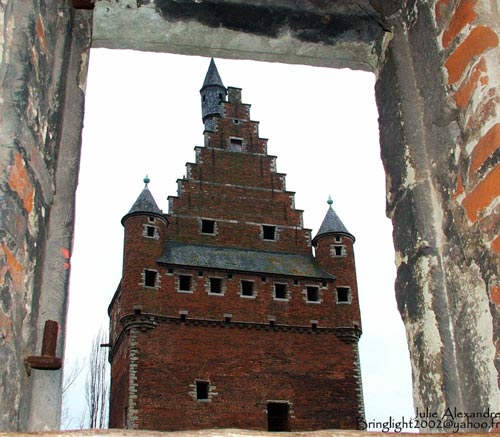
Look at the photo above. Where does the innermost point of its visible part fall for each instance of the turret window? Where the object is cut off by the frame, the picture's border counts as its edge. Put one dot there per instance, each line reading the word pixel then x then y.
pixel 338 250
pixel 150 278
pixel 343 295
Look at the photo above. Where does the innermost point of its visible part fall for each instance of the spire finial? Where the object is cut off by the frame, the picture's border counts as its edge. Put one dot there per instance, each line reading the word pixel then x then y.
pixel 146 180
pixel 329 201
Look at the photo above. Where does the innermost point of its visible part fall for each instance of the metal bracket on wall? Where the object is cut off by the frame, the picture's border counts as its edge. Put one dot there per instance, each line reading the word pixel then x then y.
pixel 83 4
pixel 47 360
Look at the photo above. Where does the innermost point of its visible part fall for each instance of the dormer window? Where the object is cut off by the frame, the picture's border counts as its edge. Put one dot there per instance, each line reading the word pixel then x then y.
pixel 269 232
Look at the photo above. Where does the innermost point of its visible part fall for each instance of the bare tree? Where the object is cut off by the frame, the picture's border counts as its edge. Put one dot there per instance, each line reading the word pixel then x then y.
pixel 72 372
pixel 97 384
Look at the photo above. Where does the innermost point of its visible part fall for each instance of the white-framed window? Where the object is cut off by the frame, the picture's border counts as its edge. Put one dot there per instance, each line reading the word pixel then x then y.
pixel 338 250
pixel 185 284
pixel 343 295
pixel 208 227
pixel 269 233
pixel 150 278
pixel 280 291
pixel 215 286
pixel 247 288
pixel 312 294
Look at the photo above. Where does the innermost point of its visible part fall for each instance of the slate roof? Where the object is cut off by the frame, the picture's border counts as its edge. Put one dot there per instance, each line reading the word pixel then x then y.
pixel 332 225
pixel 236 259
pixel 145 203
pixel 212 77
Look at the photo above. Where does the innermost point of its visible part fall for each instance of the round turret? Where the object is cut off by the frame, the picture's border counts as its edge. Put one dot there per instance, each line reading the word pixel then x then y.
pixel 213 92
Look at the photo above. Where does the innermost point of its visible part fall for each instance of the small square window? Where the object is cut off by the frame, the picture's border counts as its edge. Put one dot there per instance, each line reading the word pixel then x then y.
pixel 151 219
pixel 246 288
pixel 280 291
pixel 338 239
pixel 312 294
pixel 295 282
pixel 343 295
pixel 207 226
pixel 202 390
pixel 150 278
pixel 150 231
pixel 269 232
pixel 338 250
pixel 215 285
pixel 184 283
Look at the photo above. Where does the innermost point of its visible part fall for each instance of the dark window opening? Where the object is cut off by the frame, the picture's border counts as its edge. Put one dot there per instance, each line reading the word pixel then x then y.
pixel 280 291
pixel 202 390
pixel 183 317
pixel 204 98
pixel 216 285
pixel 277 416
pixel 150 278
pixel 208 226
pixel 170 271
pixel 230 275
pixel 272 323
pixel 150 231
pixel 269 232
pixel 338 239
pixel 314 325
pixel 246 288
pixel 263 279
pixel 151 219
pixel 295 282
pixel 220 97
pixel 184 283
pixel 338 250
pixel 200 274
pixel 227 320
pixel 343 294
pixel 312 294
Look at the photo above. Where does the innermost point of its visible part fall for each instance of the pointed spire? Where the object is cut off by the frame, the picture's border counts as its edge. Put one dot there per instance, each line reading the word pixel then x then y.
pixel 145 204
pixel 332 224
pixel 212 78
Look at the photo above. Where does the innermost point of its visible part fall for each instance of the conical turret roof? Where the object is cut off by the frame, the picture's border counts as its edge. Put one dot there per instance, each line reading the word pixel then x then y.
pixel 145 204
pixel 332 224
pixel 212 78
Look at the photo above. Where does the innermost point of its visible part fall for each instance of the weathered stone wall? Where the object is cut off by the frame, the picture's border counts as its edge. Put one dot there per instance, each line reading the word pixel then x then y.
pixel 42 77
pixel 437 94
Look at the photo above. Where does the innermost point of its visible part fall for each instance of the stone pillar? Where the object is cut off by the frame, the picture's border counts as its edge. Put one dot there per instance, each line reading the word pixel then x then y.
pixel 43 70
pixel 442 196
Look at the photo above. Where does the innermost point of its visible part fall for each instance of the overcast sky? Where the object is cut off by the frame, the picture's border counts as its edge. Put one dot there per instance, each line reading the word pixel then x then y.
pixel 143 116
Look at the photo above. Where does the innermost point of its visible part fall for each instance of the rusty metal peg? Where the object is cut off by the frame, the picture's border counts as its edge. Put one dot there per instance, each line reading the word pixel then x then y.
pixel 47 360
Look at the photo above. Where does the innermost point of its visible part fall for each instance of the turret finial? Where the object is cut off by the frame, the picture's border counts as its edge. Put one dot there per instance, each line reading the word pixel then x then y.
pixel 329 201
pixel 146 180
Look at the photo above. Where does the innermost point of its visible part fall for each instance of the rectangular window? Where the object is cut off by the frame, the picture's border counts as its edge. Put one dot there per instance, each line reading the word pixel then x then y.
pixel 338 250
pixel 269 232
pixel 236 144
pixel 216 285
pixel 280 291
pixel 312 294
pixel 151 219
pixel 184 283
pixel 150 231
pixel 208 226
pixel 202 390
pixel 343 295
pixel 277 416
pixel 150 278
pixel 246 288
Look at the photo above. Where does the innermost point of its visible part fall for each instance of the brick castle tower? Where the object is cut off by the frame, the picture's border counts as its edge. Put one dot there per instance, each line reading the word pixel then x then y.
pixel 223 317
